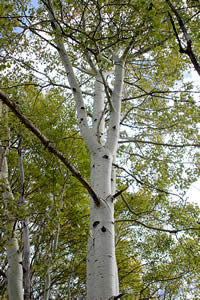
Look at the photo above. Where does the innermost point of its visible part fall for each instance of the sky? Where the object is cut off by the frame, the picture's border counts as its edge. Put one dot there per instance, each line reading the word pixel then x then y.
pixel 194 191
pixel 34 3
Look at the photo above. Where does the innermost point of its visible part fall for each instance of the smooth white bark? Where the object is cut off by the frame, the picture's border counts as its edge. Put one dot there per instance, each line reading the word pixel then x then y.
pixel 98 110
pixel 113 132
pixel 73 82
pixel 101 263
pixel 15 270
pixel 102 275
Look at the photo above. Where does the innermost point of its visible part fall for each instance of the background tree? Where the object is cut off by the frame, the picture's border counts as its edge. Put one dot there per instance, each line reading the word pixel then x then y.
pixel 123 69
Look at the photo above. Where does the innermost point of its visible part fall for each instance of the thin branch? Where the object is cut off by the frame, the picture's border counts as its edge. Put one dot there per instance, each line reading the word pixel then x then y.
pixel 182 50
pixel 156 228
pixel 148 184
pixel 119 193
pixel 45 86
pixel 149 226
pixel 133 140
pixel 188 49
pixel 128 206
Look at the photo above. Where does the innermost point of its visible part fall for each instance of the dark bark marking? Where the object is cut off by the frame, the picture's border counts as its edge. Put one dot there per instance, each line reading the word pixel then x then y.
pixel 82 107
pixel 114 127
pixel 106 156
pixel 116 297
pixel 95 223
pixel 103 229
pixel 74 90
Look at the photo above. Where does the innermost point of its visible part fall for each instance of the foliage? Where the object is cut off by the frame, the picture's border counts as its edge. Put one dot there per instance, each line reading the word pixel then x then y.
pixel 157 241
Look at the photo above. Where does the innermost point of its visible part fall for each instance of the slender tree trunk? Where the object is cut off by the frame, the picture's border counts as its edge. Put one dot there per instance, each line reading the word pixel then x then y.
pixel 47 285
pixel 26 262
pixel 53 248
pixel 26 242
pixel 15 271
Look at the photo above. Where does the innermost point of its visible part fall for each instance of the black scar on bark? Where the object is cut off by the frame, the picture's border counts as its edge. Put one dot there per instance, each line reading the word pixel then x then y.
pixel 95 223
pixel 95 120
pixel 114 127
pixel 82 107
pixel 74 90
pixel 103 229
pixel 118 296
pixel 106 156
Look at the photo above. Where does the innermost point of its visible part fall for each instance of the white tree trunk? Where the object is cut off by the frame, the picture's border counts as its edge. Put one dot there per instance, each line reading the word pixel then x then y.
pixel 15 270
pixel 102 281
pixel 102 275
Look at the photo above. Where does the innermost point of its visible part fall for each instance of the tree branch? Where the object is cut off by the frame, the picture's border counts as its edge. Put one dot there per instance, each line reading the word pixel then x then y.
pixel 149 226
pixel 188 49
pixel 147 184
pixel 48 144
pixel 133 140
pixel 72 79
